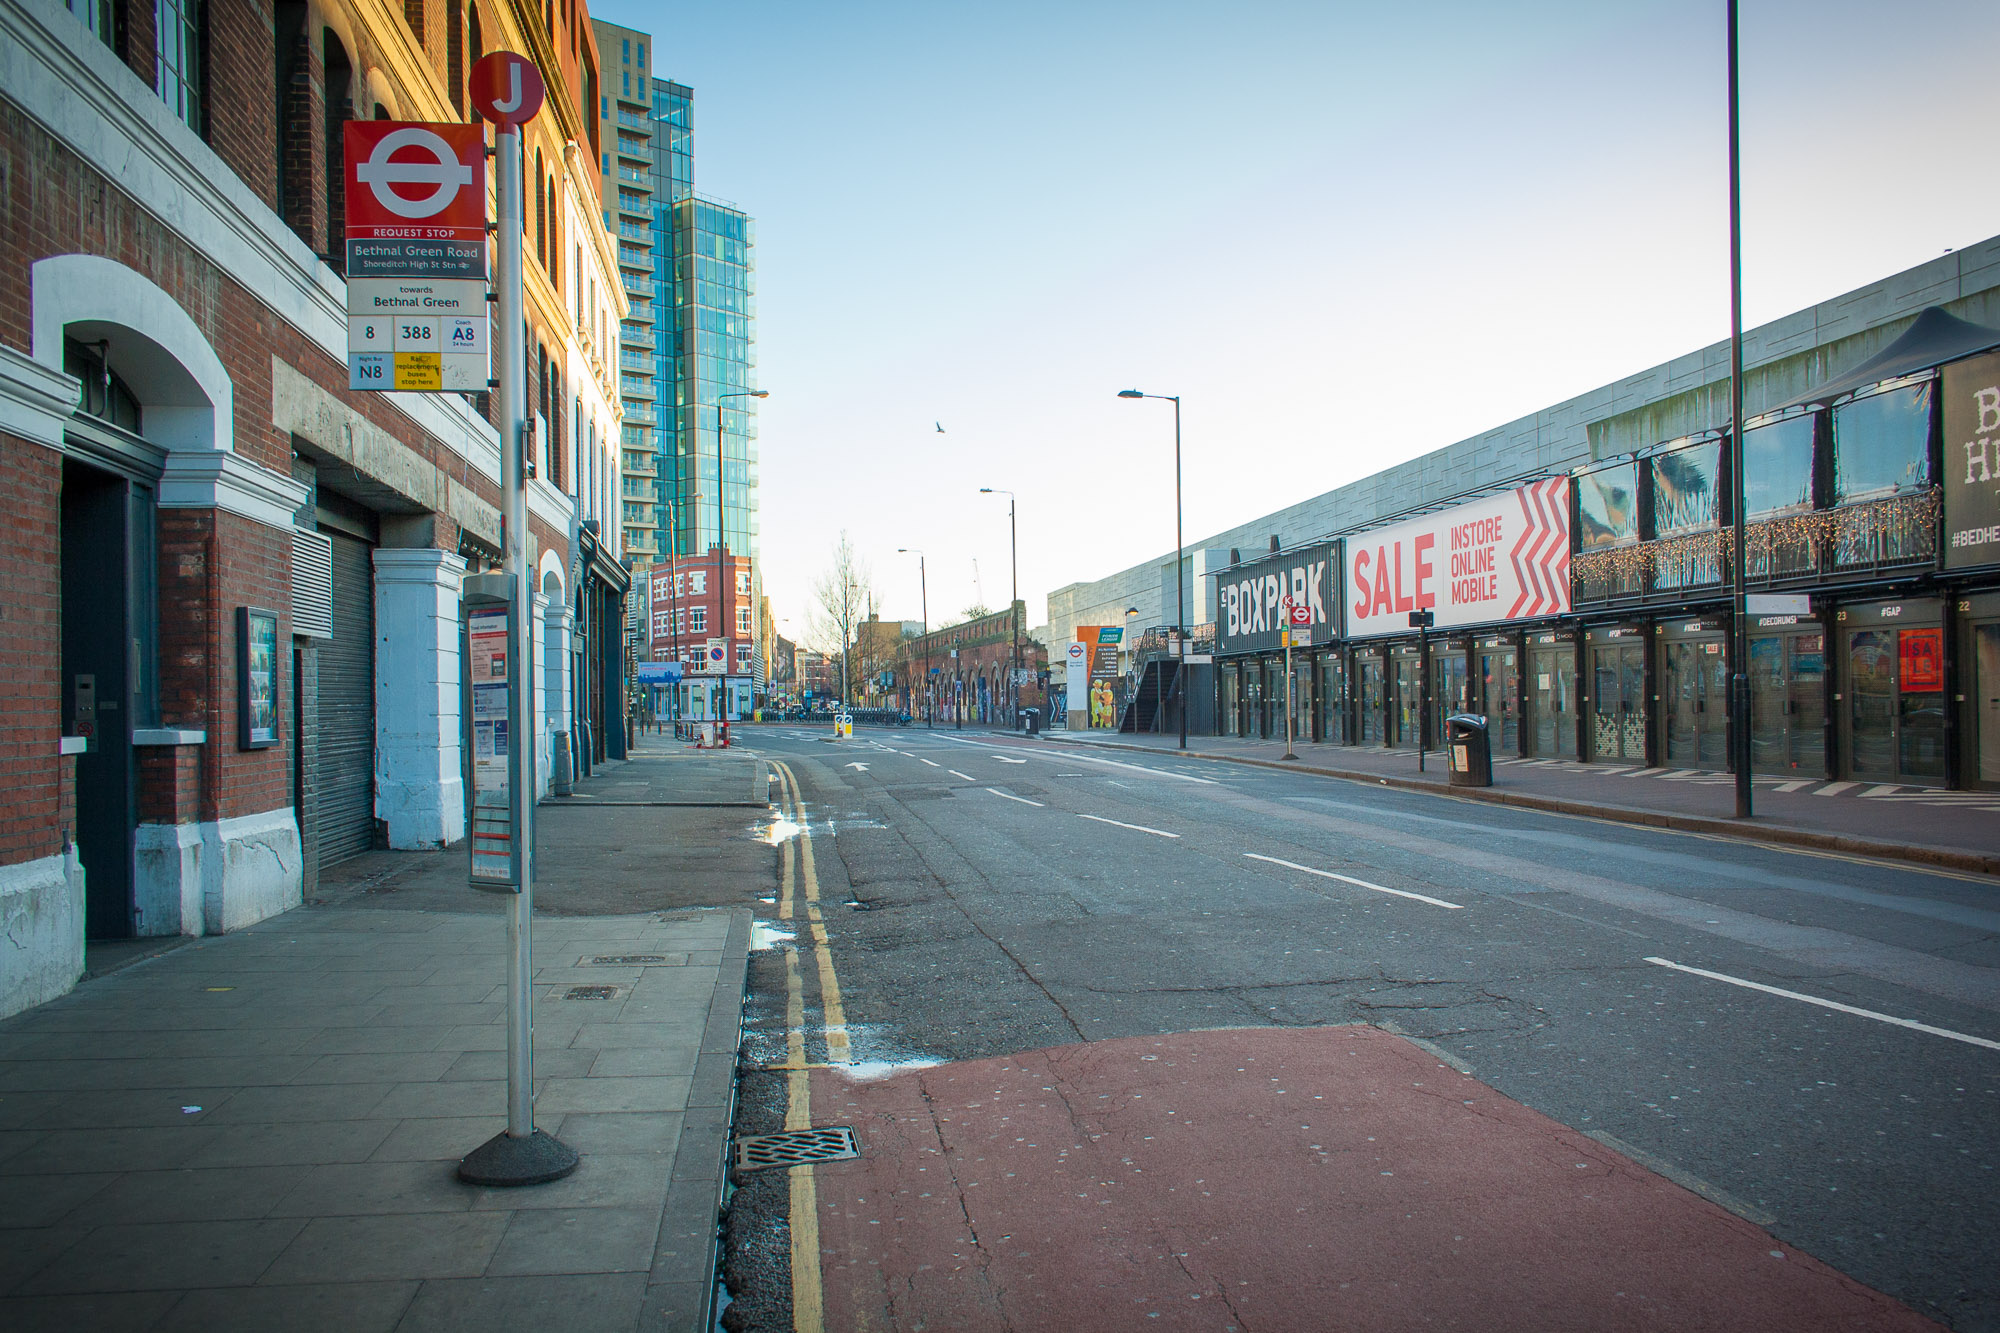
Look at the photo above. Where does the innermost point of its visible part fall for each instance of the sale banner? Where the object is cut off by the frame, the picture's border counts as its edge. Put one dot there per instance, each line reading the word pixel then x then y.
pixel 1501 558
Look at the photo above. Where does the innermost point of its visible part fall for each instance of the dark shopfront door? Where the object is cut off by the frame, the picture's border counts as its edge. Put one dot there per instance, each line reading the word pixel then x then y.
pixel 1408 704
pixel 1696 698
pixel 1552 697
pixel 1371 700
pixel 1892 712
pixel 1274 697
pixel 1332 696
pixel 1788 700
pixel 1251 708
pixel 1499 692
pixel 1618 710
pixel 1229 678
pixel 1449 680
pixel 1304 707
pixel 1979 683
pixel 109 655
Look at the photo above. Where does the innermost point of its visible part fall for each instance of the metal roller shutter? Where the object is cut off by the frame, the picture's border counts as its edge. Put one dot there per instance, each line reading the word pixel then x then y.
pixel 347 707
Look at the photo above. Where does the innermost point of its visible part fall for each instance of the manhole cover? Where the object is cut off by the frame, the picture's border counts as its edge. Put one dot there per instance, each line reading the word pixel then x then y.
pixel 624 959
pixel 590 993
pixel 796 1148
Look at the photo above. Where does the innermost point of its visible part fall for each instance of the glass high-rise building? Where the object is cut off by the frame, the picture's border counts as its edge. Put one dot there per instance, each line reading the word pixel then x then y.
pixel 688 345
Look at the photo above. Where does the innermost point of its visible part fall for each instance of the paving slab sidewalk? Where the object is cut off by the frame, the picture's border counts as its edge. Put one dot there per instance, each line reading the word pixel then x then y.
pixel 1944 828
pixel 259 1130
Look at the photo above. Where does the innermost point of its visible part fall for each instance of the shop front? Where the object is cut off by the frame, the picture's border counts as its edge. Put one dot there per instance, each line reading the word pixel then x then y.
pixel 1619 695
pixel 1496 685
pixel 1788 686
pixel 1450 684
pixel 1330 693
pixel 1371 694
pixel 1889 695
pixel 1694 694
pixel 1254 601
pixel 1552 697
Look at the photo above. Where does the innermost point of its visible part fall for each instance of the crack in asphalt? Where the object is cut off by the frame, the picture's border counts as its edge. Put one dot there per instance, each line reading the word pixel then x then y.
pixel 985 1257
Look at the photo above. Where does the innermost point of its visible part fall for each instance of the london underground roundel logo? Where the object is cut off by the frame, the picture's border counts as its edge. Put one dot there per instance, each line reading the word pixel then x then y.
pixel 411 178
pixel 507 88
pixel 415 186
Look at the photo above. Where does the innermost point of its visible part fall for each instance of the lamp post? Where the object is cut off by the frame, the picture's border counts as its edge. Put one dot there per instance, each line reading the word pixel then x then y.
pixel 1180 595
pixel 1739 645
pixel 1013 606
pixel 923 591
pixel 728 631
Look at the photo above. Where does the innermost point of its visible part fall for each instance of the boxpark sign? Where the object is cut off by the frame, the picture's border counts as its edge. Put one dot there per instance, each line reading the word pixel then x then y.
pixel 1499 558
pixel 1251 599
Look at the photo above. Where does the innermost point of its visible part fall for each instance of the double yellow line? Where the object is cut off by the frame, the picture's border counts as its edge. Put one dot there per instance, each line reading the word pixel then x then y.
pixel 798 894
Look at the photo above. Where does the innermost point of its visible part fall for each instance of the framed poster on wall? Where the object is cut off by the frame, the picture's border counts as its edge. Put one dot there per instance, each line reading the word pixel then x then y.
pixel 256 678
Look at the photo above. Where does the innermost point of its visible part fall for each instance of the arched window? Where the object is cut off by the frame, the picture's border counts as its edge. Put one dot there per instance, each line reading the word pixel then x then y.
pixel 292 124
pixel 339 110
pixel 454 53
pixel 541 217
pixel 555 237
pixel 475 42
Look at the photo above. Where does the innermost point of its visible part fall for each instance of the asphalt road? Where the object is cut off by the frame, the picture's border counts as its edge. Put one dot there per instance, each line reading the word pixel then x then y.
pixel 989 895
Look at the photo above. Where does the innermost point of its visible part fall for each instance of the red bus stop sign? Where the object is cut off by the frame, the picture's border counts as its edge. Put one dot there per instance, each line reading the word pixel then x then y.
pixel 507 88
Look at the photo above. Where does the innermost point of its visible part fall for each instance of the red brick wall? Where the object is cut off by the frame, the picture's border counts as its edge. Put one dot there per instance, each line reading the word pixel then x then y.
pixel 31 815
pixel 242 109
pixel 169 783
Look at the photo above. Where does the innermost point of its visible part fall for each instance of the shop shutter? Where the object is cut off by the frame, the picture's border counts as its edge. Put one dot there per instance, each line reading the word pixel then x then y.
pixel 347 707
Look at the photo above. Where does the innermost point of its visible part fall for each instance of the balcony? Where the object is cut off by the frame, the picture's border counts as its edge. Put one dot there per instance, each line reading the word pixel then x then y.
pixel 635 258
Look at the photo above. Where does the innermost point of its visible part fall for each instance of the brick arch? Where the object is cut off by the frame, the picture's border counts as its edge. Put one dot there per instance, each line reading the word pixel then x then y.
pixel 155 346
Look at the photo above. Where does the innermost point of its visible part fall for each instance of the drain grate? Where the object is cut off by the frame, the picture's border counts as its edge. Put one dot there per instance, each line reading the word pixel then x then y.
pixel 624 959
pixel 591 993
pixel 796 1147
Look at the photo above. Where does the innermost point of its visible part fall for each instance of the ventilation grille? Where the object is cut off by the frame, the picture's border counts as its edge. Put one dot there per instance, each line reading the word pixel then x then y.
pixel 799 1147
pixel 312 584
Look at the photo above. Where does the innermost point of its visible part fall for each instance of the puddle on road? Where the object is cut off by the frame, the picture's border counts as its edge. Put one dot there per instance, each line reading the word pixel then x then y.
pixel 768 935
pixel 777 830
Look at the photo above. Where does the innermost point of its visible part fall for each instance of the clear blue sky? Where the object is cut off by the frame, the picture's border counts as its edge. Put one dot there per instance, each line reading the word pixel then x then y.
pixel 1345 236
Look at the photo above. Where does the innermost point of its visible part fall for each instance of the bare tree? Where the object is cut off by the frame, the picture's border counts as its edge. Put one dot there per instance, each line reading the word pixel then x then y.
pixel 841 596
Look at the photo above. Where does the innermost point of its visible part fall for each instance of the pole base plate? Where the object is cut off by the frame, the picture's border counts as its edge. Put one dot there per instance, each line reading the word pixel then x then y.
pixel 505 1160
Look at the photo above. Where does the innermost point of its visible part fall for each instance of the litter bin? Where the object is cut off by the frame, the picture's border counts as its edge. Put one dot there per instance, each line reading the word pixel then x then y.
pixel 1471 752
pixel 1031 721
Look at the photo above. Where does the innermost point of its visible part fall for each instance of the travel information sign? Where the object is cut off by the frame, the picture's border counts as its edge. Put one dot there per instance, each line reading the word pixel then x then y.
pixel 416 256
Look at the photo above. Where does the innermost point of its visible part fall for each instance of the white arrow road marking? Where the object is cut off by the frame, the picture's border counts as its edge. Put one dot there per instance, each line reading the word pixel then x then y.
pixel 1835 1005
pixel 1010 796
pixel 1005 760
pixel 1137 828
pixel 955 773
pixel 1358 883
pixel 862 767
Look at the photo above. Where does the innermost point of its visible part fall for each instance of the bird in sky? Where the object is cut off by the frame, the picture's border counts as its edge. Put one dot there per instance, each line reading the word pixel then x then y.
pixel 939 425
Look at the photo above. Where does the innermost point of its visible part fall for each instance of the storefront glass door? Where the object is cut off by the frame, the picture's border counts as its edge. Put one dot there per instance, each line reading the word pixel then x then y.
pixel 1373 702
pixel 1985 696
pixel 1274 697
pixel 1498 691
pixel 1788 703
pixel 1552 701
pixel 1303 707
pixel 1408 701
pixel 1253 699
pixel 1697 704
pixel 1618 703
pixel 1895 704
pixel 1448 681
pixel 1332 714
pixel 1225 711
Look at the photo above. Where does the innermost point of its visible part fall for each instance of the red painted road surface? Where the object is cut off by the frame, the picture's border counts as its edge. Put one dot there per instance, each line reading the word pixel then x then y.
pixel 1270 1180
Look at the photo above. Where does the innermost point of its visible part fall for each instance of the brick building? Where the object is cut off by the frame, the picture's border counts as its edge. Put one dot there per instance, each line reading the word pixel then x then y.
pixel 181 450
pixel 969 664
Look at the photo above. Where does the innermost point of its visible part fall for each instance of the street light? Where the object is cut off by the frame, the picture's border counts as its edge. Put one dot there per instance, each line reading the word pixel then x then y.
pixel 1013 607
pixel 923 589
pixel 1180 597
pixel 721 540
